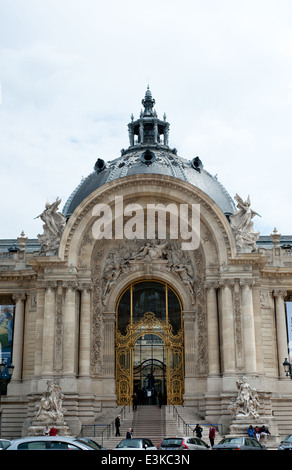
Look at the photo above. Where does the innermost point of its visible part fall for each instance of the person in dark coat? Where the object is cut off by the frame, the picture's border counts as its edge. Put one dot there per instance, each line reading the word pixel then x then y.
pixel 118 424
pixel 198 430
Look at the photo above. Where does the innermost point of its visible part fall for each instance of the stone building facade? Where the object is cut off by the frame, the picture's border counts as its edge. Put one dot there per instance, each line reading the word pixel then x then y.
pixel 106 302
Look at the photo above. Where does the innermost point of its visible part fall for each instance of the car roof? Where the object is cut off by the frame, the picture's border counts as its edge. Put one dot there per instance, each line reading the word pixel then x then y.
pixel 136 439
pixel 45 438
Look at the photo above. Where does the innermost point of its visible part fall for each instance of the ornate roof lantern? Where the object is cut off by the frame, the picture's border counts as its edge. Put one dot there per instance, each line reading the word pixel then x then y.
pixel 148 128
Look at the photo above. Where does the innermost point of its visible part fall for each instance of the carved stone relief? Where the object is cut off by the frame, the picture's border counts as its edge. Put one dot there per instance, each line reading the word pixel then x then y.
pixel 132 256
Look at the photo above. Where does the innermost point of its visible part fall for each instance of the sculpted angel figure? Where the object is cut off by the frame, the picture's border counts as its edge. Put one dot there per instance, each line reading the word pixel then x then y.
pixel 242 225
pixel 54 224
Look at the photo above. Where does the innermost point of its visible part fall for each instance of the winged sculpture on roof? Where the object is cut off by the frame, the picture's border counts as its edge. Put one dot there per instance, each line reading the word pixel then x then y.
pixel 242 225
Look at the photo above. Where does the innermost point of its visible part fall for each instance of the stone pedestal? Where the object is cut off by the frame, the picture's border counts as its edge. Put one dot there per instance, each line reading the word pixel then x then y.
pixel 39 430
pixel 239 427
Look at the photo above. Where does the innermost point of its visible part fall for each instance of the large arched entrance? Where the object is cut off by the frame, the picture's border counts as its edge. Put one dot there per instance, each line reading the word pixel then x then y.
pixel 149 344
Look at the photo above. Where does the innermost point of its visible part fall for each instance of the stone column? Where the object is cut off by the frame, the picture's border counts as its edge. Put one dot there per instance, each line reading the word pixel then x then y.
pixel 109 344
pixel 141 132
pixel 49 328
pixel 213 330
pixel 70 330
pixel 281 329
pixel 248 326
pixel 227 326
pixel 39 330
pixel 84 352
pixel 18 335
pixel 131 134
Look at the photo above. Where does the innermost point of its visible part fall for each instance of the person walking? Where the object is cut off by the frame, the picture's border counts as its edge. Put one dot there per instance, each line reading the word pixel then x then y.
pixel 118 424
pixel 212 435
pixel 198 430
pixel 129 433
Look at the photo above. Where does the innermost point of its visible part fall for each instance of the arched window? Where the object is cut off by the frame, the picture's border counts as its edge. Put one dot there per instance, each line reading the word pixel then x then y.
pixel 149 296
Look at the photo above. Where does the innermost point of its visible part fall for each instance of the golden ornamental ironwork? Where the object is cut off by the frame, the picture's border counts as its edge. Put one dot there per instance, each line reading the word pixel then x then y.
pixel 173 343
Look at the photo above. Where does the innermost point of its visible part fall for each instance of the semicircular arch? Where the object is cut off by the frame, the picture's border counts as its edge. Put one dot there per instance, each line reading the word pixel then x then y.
pixel 150 188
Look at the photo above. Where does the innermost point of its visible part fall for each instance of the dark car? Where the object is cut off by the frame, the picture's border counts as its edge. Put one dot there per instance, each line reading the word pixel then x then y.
pixel 182 443
pixel 239 443
pixel 286 444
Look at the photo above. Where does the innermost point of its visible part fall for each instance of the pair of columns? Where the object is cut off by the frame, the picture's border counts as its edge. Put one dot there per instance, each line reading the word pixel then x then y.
pixel 224 324
pixel 221 328
pixel 64 347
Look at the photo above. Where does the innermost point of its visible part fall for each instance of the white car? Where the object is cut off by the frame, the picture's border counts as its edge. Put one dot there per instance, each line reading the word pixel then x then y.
pixel 49 443
pixel 183 443
pixel 4 443
pixel 136 444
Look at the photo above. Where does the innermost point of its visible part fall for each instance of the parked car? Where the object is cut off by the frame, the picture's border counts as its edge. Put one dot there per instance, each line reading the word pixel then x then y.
pixel 136 444
pixel 50 443
pixel 286 444
pixel 239 443
pixel 181 443
pixel 4 443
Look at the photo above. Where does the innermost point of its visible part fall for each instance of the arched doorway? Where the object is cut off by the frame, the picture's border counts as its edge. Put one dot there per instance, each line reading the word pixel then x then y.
pixel 149 344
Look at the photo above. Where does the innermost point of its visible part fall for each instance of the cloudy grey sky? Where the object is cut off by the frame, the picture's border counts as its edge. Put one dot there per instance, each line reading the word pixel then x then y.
pixel 73 71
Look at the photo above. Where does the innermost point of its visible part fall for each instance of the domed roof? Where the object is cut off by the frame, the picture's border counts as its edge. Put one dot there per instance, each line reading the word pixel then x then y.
pixel 149 153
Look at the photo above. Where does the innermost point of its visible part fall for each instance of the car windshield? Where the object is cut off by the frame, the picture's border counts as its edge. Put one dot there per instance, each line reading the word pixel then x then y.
pixel 231 440
pixel 288 438
pixel 5 444
pixel 171 442
pixel 89 443
pixel 130 443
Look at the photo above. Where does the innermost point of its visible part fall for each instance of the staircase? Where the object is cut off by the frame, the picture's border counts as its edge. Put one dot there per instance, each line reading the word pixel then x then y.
pixel 146 421
pixel 149 421
pixel 154 423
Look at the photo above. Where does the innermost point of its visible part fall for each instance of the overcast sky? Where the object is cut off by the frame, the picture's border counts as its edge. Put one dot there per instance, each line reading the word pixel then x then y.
pixel 73 71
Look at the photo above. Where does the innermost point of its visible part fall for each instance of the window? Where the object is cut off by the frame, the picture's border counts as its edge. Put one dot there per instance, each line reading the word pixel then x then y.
pixel 33 445
pixel 59 445
pixel 253 443
pixel 149 296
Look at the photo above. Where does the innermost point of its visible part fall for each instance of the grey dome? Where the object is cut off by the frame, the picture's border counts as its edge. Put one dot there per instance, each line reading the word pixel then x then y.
pixel 149 153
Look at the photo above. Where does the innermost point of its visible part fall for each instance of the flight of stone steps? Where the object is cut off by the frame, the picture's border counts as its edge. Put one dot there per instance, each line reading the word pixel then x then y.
pixel 153 423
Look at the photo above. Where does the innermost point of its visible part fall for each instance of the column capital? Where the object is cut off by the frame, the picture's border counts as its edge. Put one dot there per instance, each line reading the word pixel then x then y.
pixel 280 293
pixel 246 283
pixel 210 285
pixel 85 286
pixel 72 284
pixel 50 285
pixel 18 296
pixel 226 283
pixel 188 315
pixel 109 317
